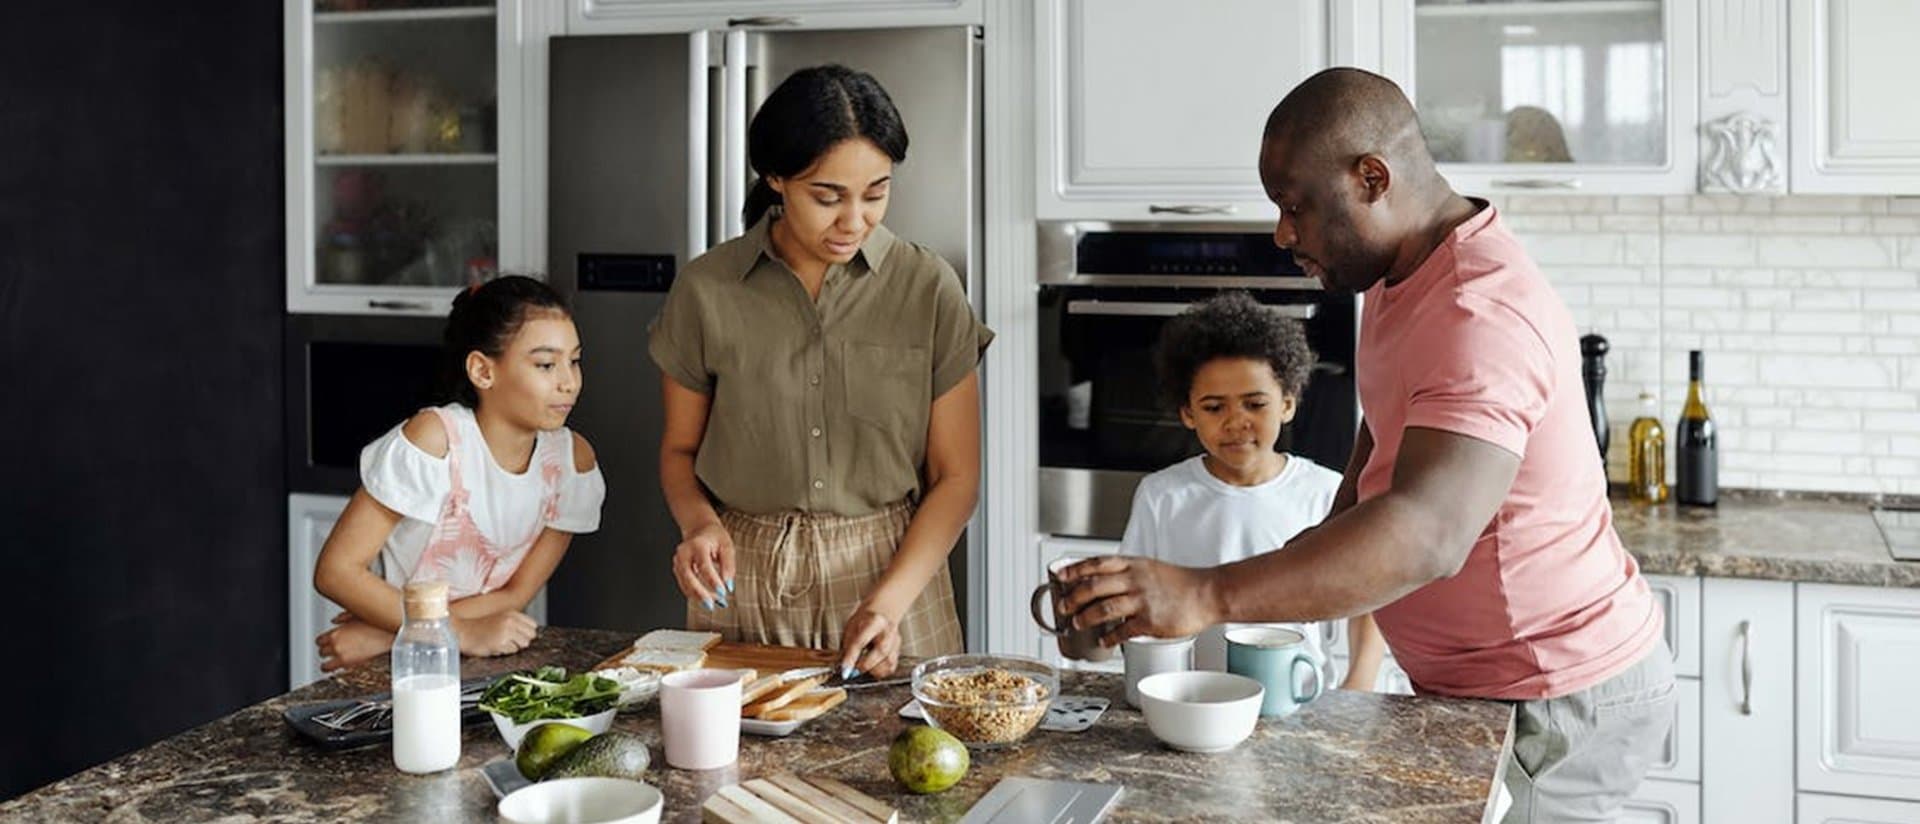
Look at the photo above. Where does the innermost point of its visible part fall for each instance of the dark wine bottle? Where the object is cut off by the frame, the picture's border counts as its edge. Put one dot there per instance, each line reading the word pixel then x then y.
pixel 1696 445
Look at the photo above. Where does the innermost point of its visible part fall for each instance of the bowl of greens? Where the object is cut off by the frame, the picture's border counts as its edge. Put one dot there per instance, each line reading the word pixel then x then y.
pixel 521 700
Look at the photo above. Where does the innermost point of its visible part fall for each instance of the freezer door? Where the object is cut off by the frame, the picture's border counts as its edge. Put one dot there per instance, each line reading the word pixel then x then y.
pixel 628 124
pixel 932 76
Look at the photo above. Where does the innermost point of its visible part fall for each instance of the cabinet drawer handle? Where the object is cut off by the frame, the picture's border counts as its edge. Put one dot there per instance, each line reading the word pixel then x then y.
pixel 762 20
pixel 1539 183
pixel 1188 209
pixel 1746 667
pixel 399 305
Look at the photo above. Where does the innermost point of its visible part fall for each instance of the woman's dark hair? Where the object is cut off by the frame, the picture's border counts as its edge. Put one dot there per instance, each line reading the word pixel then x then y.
pixel 1231 325
pixel 484 319
pixel 812 111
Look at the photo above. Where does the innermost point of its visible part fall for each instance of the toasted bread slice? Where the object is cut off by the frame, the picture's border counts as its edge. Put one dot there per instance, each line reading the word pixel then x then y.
pixel 781 696
pixel 811 705
pixel 665 661
pixel 758 688
pixel 664 639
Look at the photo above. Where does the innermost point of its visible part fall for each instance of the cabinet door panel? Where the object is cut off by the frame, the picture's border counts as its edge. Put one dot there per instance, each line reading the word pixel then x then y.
pixel 1746 700
pixel 1854 128
pixel 1859 676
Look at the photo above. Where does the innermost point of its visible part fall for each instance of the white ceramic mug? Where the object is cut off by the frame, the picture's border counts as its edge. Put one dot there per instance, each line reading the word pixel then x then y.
pixel 700 718
pixel 1146 656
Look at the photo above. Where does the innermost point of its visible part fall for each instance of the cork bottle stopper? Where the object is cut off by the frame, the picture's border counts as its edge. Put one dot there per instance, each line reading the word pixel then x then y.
pixel 426 600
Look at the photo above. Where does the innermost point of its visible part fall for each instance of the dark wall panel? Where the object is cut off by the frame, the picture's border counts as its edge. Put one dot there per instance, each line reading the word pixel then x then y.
pixel 142 504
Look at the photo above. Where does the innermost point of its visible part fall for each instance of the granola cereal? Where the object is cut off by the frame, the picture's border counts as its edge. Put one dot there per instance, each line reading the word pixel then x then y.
pixel 988 706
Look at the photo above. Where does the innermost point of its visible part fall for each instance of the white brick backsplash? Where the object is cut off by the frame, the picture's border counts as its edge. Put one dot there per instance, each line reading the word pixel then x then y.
pixel 1707 250
pixel 1808 309
pixel 1812 250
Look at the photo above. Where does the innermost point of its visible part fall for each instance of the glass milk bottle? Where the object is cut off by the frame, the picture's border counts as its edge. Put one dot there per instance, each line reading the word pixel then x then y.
pixel 426 683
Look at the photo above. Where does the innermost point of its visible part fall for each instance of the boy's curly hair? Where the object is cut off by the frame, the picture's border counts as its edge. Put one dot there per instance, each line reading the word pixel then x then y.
pixel 1230 325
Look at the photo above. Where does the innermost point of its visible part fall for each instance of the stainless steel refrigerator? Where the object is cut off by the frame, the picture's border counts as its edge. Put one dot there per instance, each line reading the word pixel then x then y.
pixel 647 168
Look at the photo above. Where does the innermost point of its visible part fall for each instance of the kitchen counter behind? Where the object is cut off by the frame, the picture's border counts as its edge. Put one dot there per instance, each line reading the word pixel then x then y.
pixel 1777 536
pixel 1347 756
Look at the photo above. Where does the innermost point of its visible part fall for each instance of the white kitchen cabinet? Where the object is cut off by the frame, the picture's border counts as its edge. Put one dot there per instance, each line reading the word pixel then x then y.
pixel 1746 700
pixel 1679 599
pixel 1587 96
pixel 1662 802
pixel 405 151
pixel 309 519
pixel 1835 809
pixel 1148 113
pixel 663 16
pixel 1859 679
pixel 1679 758
pixel 1855 127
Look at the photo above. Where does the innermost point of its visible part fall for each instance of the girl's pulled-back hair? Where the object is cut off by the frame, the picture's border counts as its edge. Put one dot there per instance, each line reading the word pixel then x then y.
pixel 484 319
pixel 1231 325
pixel 812 111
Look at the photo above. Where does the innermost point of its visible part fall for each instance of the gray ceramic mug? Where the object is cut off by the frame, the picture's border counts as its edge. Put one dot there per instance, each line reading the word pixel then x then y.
pixel 1274 656
pixel 1080 644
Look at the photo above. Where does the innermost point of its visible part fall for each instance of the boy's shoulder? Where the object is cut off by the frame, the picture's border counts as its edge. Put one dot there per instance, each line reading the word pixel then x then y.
pixel 1173 478
pixel 1313 475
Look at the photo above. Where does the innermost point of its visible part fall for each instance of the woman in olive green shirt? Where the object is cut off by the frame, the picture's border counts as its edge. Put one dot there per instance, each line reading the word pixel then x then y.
pixel 821 453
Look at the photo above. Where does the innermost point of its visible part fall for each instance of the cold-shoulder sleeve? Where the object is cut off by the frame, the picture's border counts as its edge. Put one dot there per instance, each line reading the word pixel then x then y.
pixel 581 494
pixel 404 478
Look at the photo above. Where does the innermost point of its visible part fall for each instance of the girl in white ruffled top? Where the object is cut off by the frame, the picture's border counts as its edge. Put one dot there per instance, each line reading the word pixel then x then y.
pixel 484 493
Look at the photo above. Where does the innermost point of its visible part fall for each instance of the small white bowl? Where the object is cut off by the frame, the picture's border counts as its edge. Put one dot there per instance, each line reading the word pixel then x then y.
pixel 583 801
pixel 1201 711
pixel 597 723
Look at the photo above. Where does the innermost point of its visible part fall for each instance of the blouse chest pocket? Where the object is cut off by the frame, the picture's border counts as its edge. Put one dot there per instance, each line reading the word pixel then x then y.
pixel 887 385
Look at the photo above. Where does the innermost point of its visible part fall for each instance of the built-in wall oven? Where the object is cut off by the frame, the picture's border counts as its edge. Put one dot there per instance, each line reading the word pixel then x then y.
pixel 1105 291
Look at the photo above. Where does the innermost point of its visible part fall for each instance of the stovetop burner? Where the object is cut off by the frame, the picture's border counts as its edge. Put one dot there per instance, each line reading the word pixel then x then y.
pixel 1901 528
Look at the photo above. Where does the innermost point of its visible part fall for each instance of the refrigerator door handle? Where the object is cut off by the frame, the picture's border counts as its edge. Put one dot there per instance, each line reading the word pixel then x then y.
pixel 733 118
pixel 762 20
pixel 698 117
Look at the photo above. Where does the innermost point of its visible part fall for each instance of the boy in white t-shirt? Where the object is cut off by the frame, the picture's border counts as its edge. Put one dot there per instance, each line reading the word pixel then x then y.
pixel 1235 369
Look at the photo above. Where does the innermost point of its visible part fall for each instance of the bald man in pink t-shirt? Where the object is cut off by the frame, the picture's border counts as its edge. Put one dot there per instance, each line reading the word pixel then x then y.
pixel 1473 517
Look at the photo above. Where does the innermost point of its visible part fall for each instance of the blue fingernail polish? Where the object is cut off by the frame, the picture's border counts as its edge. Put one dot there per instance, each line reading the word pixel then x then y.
pixel 849 673
pixel 708 603
pixel 729 586
pixel 723 600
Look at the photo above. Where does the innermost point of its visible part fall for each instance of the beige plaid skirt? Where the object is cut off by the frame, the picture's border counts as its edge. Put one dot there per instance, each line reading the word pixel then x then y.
pixel 799 575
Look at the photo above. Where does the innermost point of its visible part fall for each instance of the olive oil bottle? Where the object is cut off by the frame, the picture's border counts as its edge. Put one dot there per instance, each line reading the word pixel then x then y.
pixel 1696 451
pixel 1647 455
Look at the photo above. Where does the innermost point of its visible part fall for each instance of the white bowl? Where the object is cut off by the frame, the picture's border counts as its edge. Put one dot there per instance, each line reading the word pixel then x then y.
pixel 1201 711
pixel 583 801
pixel 597 723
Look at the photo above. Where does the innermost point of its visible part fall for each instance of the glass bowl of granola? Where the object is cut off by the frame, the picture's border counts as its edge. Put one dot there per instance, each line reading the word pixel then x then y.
pixel 986 701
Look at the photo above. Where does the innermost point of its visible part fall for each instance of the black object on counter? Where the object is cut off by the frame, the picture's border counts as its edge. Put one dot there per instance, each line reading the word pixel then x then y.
pixel 1696 444
pixel 1593 369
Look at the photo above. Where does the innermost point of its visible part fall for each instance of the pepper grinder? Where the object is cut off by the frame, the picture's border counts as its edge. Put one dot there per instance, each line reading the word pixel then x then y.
pixel 1593 369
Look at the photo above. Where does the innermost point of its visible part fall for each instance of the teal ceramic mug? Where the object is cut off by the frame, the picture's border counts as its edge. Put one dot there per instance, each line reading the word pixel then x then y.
pixel 1275 656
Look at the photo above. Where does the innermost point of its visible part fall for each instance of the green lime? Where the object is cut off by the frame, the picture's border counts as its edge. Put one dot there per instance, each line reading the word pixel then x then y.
pixel 544 744
pixel 927 760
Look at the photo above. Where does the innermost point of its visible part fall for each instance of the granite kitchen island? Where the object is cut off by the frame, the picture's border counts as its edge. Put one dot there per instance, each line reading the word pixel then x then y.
pixel 1347 757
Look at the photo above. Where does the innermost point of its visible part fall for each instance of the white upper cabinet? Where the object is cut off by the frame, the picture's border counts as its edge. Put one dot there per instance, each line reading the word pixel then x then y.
pixel 660 16
pixel 1856 127
pixel 400 174
pixel 1859 676
pixel 1575 96
pixel 1145 112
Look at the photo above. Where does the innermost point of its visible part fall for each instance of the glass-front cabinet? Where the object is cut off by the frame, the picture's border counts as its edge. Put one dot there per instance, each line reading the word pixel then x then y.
pixel 395 172
pixel 1551 95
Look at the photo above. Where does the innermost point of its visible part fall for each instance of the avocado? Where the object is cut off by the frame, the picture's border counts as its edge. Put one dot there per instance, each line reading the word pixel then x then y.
pixel 608 755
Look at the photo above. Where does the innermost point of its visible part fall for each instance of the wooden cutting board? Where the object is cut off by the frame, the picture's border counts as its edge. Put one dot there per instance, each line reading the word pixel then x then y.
pixel 758 657
pixel 786 798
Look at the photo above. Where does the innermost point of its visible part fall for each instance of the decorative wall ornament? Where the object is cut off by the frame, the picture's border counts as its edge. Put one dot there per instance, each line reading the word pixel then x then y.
pixel 1740 157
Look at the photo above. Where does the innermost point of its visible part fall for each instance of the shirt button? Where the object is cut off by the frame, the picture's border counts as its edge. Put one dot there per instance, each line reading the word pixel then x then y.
pixel 816 432
pixel 813 380
pixel 819 484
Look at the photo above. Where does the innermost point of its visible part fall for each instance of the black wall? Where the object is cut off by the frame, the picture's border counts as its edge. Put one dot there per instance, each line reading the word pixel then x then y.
pixel 142 504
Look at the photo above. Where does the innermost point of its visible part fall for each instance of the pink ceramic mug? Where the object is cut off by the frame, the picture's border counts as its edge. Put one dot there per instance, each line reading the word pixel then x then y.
pixel 700 718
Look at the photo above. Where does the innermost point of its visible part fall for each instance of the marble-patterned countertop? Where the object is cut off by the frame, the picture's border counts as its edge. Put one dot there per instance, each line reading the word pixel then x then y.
pixel 1785 537
pixel 1346 757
